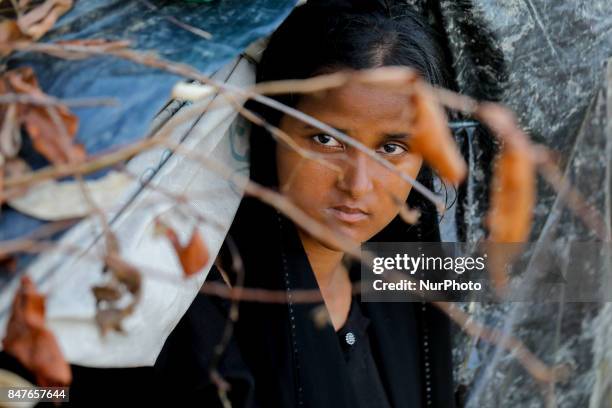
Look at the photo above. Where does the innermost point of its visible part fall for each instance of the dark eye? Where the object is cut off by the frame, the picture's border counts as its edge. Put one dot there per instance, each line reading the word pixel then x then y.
pixel 392 149
pixel 326 140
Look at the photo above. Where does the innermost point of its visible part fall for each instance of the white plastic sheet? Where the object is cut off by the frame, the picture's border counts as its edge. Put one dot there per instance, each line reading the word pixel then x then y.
pixel 67 274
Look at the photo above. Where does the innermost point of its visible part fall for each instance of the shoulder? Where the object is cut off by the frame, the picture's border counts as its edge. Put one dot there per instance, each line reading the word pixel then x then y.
pixel 197 356
pixel 199 328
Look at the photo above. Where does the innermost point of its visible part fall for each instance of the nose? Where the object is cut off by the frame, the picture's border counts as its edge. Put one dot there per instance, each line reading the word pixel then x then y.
pixel 356 180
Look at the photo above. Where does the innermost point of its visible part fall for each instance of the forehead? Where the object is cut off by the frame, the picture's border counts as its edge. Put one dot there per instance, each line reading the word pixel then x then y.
pixel 356 106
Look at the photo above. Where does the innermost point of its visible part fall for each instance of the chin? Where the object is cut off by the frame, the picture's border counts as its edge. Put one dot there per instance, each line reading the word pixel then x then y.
pixel 351 233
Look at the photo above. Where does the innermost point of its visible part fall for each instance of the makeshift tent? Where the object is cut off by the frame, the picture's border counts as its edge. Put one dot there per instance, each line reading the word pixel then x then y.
pixel 142 94
pixel 546 60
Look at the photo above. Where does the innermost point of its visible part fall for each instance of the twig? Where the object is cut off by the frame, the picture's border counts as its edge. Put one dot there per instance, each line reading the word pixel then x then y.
pixel 228 330
pixel 191 73
pixel 194 30
pixel 534 366
pixel 408 215
pixel 46 100
pixel 589 215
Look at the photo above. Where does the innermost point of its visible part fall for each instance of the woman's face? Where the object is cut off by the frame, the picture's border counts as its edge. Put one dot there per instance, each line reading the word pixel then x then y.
pixel 360 203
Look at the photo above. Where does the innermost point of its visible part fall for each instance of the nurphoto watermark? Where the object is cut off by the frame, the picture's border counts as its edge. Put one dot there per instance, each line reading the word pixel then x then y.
pixel 486 272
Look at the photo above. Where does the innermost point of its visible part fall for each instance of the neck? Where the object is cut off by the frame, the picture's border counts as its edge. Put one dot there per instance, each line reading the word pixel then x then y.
pixel 325 262
pixel 332 278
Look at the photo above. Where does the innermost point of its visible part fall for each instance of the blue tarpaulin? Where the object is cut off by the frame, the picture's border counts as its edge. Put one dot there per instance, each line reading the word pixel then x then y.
pixel 153 26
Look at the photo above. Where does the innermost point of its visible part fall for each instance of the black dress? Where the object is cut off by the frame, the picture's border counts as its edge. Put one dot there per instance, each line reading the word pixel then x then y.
pixel 277 356
pixel 361 365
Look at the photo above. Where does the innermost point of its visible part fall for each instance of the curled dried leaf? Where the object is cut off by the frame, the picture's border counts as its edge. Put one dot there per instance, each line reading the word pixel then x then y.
pixel 432 138
pixel 109 316
pixel 513 197
pixel 9 34
pixel 49 139
pixel 39 20
pixel 193 256
pixel 514 186
pixel 30 342
pixel 125 273
pixel 52 130
pixel 107 293
pixel 31 24
pixel 110 320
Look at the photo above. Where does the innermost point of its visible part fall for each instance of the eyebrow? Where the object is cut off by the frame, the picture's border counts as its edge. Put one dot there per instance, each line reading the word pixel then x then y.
pixel 389 137
pixel 310 127
pixel 386 137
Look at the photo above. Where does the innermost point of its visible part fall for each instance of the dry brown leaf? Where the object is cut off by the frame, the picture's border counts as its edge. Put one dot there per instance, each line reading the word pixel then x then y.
pixel 30 25
pixel 513 192
pixel 9 34
pixel 38 21
pixel 125 273
pixel 512 197
pixel 193 256
pixel 48 140
pixel 514 186
pixel 109 316
pixel 31 343
pixel 432 138
pixel 110 319
pixel 106 293
pixel 53 140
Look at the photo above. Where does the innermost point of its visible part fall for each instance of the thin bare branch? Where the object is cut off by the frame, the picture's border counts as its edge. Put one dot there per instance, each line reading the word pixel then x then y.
pixel 46 100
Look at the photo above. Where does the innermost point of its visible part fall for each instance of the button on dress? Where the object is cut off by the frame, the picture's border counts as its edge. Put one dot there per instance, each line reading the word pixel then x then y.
pixel 362 369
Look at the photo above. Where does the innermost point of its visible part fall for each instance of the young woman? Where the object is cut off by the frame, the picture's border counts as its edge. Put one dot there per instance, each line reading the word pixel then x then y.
pixel 279 354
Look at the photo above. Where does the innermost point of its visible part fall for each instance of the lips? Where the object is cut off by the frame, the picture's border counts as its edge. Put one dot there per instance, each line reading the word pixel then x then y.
pixel 348 214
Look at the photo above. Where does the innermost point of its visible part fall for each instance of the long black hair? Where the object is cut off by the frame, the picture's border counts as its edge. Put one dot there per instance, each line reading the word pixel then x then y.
pixel 323 37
